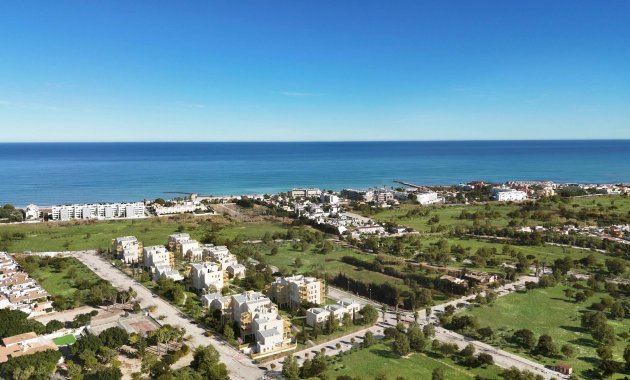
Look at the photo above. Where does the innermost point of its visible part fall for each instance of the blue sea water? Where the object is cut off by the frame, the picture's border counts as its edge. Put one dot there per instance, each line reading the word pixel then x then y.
pixel 47 174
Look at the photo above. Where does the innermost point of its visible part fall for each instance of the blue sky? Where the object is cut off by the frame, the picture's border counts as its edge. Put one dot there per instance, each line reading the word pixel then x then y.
pixel 313 70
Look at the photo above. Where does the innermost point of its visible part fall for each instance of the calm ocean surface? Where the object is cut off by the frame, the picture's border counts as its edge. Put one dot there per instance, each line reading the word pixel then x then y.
pixel 97 172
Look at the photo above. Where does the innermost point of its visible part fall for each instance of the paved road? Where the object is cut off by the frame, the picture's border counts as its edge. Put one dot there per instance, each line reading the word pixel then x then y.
pixel 240 366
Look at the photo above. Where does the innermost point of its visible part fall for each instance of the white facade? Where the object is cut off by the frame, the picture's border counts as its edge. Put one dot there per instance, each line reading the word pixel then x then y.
pixel 175 240
pixel 296 290
pixel 127 248
pixel 261 314
pixel 305 193
pixel 165 271
pixel 31 212
pixel 330 199
pixel 207 274
pixel 156 255
pixel 195 254
pixel 98 211
pixel 428 198
pixel 338 311
pixel 504 195
pixel 185 246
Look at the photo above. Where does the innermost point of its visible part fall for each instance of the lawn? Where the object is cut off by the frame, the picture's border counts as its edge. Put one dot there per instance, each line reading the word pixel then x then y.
pixel 251 231
pixel 62 282
pixel 65 340
pixel 380 360
pixel 80 235
pixel 548 311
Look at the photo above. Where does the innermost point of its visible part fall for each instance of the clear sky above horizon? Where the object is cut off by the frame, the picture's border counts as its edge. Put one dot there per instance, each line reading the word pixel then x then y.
pixel 314 70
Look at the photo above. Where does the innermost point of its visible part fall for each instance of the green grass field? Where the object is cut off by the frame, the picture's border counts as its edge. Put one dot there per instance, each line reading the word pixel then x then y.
pixel 380 360
pixel 329 263
pixel 65 236
pixel 449 214
pixel 546 253
pixel 548 311
pixel 65 340
pixel 62 283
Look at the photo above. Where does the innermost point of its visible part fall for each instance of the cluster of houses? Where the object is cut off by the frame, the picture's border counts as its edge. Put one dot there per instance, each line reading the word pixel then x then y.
pixel 210 266
pixel 325 208
pixel 256 314
pixel 616 233
pixel 18 291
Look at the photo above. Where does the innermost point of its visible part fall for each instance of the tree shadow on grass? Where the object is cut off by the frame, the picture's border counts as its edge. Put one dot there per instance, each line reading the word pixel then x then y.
pixel 584 342
pixel 589 359
pixel 562 299
pixel 385 354
pixel 576 329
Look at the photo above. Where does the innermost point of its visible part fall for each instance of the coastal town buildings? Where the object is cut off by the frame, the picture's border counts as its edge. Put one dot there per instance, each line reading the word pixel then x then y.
pixel 296 290
pixel 18 291
pixel 127 248
pixel 98 211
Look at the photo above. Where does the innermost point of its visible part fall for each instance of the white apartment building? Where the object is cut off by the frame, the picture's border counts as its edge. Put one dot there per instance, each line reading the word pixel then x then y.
pixel 258 316
pixel 428 198
pixel 216 301
pixel 98 211
pixel 185 246
pixel 338 311
pixel 504 195
pixel 305 193
pixel 226 261
pixel 205 275
pixel 195 255
pixel 214 252
pixel 32 212
pixel 295 290
pixel 330 199
pixel 165 271
pixel 156 255
pixel 175 240
pixel 127 249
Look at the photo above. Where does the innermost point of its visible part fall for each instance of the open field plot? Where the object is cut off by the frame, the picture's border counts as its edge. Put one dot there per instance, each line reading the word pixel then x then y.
pixel 251 231
pixel 53 236
pixel 448 215
pixel 380 360
pixel 330 263
pixel 62 280
pixel 543 253
pixel 548 311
